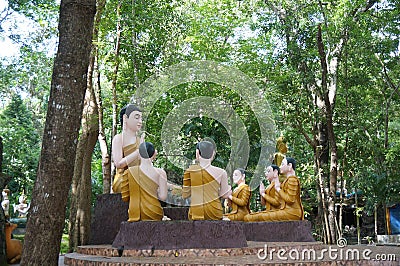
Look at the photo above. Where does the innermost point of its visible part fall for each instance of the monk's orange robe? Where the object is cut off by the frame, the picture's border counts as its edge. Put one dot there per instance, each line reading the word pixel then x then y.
pixel 290 208
pixel 204 192
pixel 240 203
pixel 141 192
pixel 128 149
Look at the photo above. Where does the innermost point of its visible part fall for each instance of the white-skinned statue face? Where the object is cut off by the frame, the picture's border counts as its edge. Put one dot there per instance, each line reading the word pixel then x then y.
pixel 270 174
pixel 134 121
pixel 237 176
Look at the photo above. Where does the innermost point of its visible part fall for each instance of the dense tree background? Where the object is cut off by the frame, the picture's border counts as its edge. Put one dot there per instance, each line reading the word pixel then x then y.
pixel 329 70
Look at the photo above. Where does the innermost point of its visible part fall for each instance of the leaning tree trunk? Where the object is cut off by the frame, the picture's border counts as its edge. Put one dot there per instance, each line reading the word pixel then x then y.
pixel 114 79
pixel 105 154
pixel 81 189
pixel 321 156
pixel 56 166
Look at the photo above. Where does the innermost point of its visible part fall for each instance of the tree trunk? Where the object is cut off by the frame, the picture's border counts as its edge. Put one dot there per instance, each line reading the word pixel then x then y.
pixel 81 189
pixel 332 179
pixel 3 182
pixel 56 166
pixel 328 76
pixel 1 154
pixel 105 155
pixel 114 79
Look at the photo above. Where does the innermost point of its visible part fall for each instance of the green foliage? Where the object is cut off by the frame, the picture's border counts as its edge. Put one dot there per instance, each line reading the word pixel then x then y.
pixel 21 142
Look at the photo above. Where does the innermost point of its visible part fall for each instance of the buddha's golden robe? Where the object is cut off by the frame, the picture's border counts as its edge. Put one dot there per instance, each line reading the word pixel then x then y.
pixel 128 149
pixel 204 192
pixel 141 192
pixel 240 203
pixel 290 207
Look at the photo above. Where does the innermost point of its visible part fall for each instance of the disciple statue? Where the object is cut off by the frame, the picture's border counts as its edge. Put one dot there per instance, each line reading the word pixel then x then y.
pixel 269 197
pixel 125 145
pixel 23 207
pixel 5 204
pixel 240 198
pixel 205 184
pixel 143 186
pixel 289 194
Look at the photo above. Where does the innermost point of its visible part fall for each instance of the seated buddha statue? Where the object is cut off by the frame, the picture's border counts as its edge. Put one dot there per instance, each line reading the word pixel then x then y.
pixel 125 145
pixel 240 198
pixel 143 186
pixel 289 195
pixel 281 148
pixel 205 184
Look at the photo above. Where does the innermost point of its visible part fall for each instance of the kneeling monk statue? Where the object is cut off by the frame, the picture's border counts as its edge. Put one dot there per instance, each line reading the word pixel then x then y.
pixel 289 194
pixel 205 185
pixel 143 186
pixel 240 198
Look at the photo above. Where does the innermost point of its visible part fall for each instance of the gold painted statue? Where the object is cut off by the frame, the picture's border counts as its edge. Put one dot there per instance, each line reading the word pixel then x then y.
pixel 269 196
pixel 125 145
pixel 205 185
pixel 143 186
pixel 282 149
pixel 289 194
pixel 240 198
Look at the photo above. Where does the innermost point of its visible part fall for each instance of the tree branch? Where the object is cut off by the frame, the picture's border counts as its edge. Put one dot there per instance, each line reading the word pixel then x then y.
pixel 387 78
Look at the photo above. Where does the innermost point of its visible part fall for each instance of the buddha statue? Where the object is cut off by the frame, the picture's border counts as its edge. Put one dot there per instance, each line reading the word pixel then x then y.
pixel 282 149
pixel 125 145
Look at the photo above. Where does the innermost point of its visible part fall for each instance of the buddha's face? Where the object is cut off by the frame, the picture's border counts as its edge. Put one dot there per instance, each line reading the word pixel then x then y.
pixel 134 121
pixel 237 176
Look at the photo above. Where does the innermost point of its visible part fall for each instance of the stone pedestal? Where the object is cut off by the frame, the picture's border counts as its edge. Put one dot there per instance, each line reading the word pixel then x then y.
pixel 110 211
pixel 288 231
pixel 111 214
pixel 180 235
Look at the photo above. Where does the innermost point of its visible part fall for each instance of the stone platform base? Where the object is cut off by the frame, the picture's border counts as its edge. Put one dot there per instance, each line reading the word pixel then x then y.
pixel 207 234
pixel 288 231
pixel 111 212
pixel 180 235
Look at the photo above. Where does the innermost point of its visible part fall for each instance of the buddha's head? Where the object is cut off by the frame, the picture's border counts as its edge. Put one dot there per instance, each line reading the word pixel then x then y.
pixel 281 145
